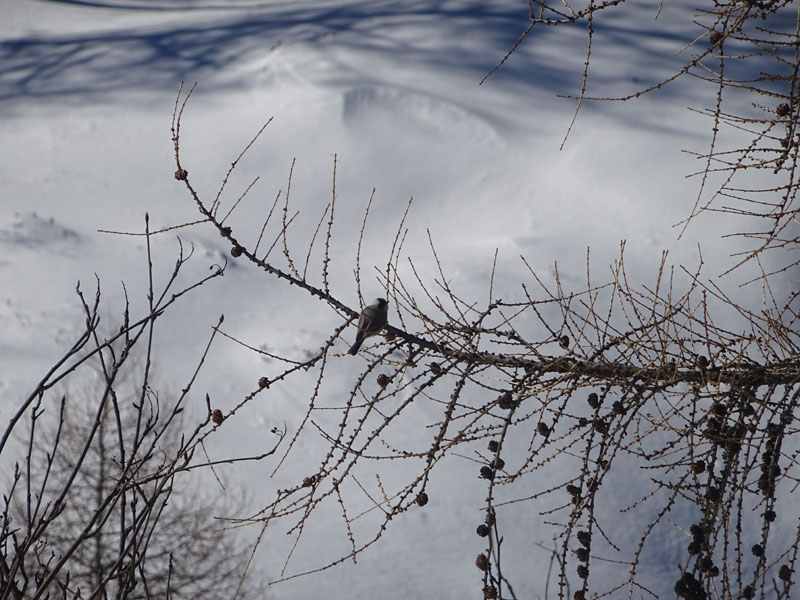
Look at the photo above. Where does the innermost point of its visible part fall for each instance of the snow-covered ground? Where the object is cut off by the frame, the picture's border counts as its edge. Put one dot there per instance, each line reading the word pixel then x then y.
pixel 87 91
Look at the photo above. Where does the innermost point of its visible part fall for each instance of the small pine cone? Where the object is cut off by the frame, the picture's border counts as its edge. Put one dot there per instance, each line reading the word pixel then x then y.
pixel 494 445
pixel 422 499
pixel 748 592
pixel 563 341
pixel 436 368
pixel 784 573
pixel 698 535
pixel 583 422
pixel 757 550
pixel 309 481
pixel 715 38
pixel 585 539
pixel 506 401
pixel 694 548
pixel 498 463
pixel 594 400
pixel 482 530
pixel 705 563
pixel 769 516
pixel 482 562
pixel 698 467
pixel 579 595
pixel 618 407
pixel 383 380
pixel 583 571
pixel 236 251
pixel 543 429
pixel 487 473
pixel 783 110
pixel 217 416
pixel 600 425
pixel 702 362
pixel 181 174
pixel 263 382
pixel 582 554
pixel 490 592
pixel 225 231
pixel 713 571
pixel 573 490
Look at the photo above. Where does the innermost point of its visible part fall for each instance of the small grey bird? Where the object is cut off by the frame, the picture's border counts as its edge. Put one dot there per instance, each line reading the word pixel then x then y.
pixel 373 318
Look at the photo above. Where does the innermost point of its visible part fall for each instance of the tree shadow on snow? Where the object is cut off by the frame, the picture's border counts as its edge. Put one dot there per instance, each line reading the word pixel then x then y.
pixel 208 42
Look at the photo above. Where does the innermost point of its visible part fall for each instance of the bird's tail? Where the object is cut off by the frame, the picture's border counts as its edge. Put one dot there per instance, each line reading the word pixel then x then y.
pixel 356 345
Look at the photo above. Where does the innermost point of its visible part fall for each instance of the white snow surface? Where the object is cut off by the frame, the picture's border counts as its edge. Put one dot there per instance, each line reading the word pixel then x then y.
pixel 87 90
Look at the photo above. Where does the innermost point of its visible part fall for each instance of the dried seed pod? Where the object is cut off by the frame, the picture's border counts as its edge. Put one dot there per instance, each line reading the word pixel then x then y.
pixel 482 562
pixel 573 490
pixel 594 400
pixel 422 499
pixel 585 539
pixel 702 362
pixel 785 573
pixel 783 110
pixel 563 341
pixel 487 472
pixel 494 445
pixel 694 548
pixel 506 401
pixel 309 481
pixel 181 174
pixel 582 554
pixel 698 535
pixel 712 428
pixel 482 530
pixel 690 588
pixel 705 563
pixel 263 382
pixel 757 550
pixel 498 463
pixel 383 380
pixel 217 416
pixel 748 592
pixel 715 38
pixel 543 429
pixel 579 595
pixel 769 516
pixel 236 251
pixel 583 571
pixel 698 467
pixel 618 407
pixel 490 592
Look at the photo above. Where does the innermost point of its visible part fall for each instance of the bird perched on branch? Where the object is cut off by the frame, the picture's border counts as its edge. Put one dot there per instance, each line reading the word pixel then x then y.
pixel 373 318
